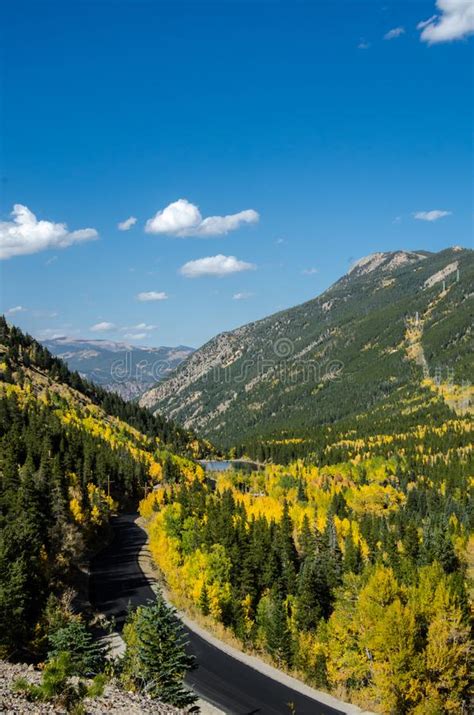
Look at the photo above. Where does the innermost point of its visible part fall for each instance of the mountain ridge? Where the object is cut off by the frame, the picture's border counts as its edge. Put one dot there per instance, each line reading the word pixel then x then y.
pixel 129 370
pixel 252 375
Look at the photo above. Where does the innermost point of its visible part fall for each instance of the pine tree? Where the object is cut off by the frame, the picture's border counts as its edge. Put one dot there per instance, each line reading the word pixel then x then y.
pixel 278 634
pixel 204 604
pixel 156 660
pixel 287 550
pixel 87 654
pixel 309 608
pixel 352 555
pixel 306 539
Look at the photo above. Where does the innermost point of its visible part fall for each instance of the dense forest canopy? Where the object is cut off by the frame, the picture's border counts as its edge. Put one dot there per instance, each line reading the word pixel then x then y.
pixel 351 566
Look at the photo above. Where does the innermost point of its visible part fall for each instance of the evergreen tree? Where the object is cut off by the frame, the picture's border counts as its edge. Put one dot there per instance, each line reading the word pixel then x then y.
pixel 310 601
pixel 352 556
pixel 278 634
pixel 306 539
pixel 156 660
pixel 287 550
pixel 204 601
pixel 86 653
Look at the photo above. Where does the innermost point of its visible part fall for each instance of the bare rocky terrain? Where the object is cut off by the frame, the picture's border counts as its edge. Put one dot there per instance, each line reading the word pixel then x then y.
pixel 114 700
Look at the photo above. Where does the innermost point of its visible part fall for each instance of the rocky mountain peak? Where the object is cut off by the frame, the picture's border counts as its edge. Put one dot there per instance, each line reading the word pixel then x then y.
pixel 387 261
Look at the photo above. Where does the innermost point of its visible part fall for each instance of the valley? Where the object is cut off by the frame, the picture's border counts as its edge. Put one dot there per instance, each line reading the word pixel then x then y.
pixel 343 354
pixel 331 538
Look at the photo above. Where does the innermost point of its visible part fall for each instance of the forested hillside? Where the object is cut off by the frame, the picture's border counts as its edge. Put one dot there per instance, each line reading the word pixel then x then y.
pixel 351 567
pixel 348 557
pixel 397 323
pixel 70 454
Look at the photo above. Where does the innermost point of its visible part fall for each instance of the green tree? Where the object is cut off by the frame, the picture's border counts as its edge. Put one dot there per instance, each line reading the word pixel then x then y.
pixel 278 634
pixel 155 660
pixel 204 601
pixel 86 654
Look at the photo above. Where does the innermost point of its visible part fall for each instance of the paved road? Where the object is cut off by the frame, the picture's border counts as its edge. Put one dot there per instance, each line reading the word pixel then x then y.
pixel 117 581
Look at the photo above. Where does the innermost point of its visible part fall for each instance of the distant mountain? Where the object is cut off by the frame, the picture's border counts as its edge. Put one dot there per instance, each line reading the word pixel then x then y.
pixel 119 367
pixel 394 320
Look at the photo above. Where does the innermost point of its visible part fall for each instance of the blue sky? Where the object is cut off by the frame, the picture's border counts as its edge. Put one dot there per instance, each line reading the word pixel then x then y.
pixel 334 129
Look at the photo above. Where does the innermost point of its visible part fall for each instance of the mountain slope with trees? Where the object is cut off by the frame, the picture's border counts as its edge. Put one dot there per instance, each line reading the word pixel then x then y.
pixel 70 455
pixel 349 568
pixel 395 320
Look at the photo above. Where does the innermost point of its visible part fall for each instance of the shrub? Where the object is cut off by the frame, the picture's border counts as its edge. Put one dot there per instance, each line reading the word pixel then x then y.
pixel 56 685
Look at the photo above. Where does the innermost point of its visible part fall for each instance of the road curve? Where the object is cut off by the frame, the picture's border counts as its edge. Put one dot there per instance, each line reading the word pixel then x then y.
pixel 117 581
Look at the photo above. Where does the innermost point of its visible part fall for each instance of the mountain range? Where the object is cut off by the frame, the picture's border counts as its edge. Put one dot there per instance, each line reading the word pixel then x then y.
pixel 120 367
pixel 396 324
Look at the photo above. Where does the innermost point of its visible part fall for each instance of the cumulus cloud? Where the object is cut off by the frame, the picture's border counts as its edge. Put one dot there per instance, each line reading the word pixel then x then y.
pixel 144 326
pixel 102 327
pixel 16 309
pixel 242 296
pixel 25 234
pixel 434 215
pixel 140 326
pixel 181 218
pixel 135 336
pixel 127 224
pixel 392 34
pixel 150 295
pixel 455 22
pixel 215 266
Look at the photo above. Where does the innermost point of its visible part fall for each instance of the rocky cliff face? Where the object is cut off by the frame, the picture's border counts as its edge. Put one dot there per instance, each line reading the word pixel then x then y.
pixel 330 357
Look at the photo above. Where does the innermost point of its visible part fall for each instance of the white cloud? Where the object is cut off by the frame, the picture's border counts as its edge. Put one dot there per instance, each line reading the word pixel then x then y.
pixel 309 271
pixel 392 34
pixel 50 334
pixel 181 218
pixel 102 327
pixel 456 21
pixel 127 224
pixel 424 23
pixel 51 260
pixel 363 45
pixel 431 215
pixel 16 309
pixel 215 266
pixel 135 336
pixel 242 296
pixel 139 326
pixel 147 296
pixel 25 234
pixel 144 326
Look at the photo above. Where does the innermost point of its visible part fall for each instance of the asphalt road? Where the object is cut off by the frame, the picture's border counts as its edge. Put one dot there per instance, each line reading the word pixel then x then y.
pixel 117 581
